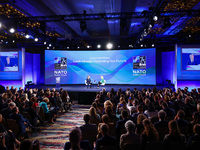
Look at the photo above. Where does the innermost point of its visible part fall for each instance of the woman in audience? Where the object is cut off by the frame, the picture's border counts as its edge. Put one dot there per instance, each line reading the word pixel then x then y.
pixel 174 134
pixel 49 115
pixel 140 126
pixel 34 100
pixel 66 100
pixel 151 111
pixel 150 133
pixel 94 104
pixel 109 112
pixel 95 118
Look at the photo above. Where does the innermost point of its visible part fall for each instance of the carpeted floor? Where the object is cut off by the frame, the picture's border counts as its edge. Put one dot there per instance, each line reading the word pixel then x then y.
pixel 54 136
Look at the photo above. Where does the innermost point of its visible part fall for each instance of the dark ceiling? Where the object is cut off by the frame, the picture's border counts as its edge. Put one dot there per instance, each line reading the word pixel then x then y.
pixel 81 23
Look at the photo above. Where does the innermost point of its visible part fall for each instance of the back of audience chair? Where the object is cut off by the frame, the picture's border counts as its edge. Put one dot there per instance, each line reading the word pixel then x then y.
pixel 195 145
pixel 154 146
pixel 176 146
pixel 13 126
pixel 41 113
pixel 162 132
pixel 132 147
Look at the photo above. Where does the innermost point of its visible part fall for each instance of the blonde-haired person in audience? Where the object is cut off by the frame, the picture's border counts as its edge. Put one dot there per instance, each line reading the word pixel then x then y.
pixel 95 118
pixel 94 104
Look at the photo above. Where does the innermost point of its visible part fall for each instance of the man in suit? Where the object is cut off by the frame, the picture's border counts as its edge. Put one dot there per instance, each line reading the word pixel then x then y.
pixel 88 82
pixel 130 137
pixel 21 121
pixel 7 111
pixel 120 124
pixel 89 131
pixel 106 140
pixel 169 111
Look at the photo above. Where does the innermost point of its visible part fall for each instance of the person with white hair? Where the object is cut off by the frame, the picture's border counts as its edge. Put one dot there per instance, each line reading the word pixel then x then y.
pixel 129 137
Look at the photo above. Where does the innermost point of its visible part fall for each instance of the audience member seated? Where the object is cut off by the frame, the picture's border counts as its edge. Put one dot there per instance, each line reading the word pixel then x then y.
pixel 106 140
pixel 170 113
pixel 174 135
pixel 151 111
pixel 33 114
pixel 139 111
pixel 94 117
pixel 7 111
pixel 94 104
pixel 187 107
pixel 150 133
pixel 129 137
pixel 22 122
pixel 105 119
pixel 75 143
pixel 196 120
pixel 49 115
pixel 140 126
pixel 121 107
pixel 120 128
pixel 195 137
pixel 89 131
pixel 59 102
pixel 10 139
pixel 162 123
pixel 132 106
pixel 66 100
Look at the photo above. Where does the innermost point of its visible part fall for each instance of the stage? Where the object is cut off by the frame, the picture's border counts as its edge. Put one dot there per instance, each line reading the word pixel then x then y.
pixel 85 95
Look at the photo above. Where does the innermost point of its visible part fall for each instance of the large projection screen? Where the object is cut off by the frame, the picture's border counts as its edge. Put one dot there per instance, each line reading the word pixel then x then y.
pixel 116 66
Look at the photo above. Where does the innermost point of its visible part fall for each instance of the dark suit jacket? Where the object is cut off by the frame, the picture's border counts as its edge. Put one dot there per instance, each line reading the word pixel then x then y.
pixel 89 132
pixel 106 140
pixel 119 126
pixel 161 124
pixel 182 123
pixel 84 145
pixel 6 112
pixel 88 81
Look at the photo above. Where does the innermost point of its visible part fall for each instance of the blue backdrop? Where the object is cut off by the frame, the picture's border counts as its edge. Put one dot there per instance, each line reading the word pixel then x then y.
pixel 117 66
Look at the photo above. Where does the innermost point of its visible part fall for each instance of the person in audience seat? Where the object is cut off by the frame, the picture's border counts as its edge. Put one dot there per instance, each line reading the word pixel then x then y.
pixel 130 137
pixel 174 134
pixel 106 140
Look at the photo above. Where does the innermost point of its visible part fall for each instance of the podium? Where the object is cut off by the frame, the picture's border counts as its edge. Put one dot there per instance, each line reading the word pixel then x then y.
pixel 58 82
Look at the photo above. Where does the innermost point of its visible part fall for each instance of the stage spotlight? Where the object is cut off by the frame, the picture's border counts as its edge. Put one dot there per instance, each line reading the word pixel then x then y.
pixel 50 45
pixel 88 46
pixel 78 47
pixel 98 46
pixel 47 47
pixel 13 41
pixel 155 18
pixel 27 36
pixel 150 25
pixel 0 24
pixel 45 42
pixel 36 39
pixel 190 36
pixel 141 45
pixel 109 45
pixel 67 47
pixel 12 30
pixel 118 46
pixel 152 45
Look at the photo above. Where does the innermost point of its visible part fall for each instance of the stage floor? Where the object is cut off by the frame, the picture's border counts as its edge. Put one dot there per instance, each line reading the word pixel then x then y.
pixel 83 88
